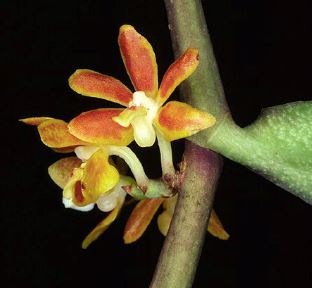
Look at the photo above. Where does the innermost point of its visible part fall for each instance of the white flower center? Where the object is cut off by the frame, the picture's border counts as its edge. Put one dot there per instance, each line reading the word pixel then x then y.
pixel 140 99
pixel 144 133
pixel 68 203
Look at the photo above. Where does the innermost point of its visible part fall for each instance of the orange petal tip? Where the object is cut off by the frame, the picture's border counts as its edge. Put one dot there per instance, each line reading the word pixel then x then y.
pixel 179 120
pixel 93 84
pixel 216 228
pixel 97 127
pixel 101 227
pixel 178 71
pixel 34 121
pixel 140 218
pixel 139 59
pixel 54 133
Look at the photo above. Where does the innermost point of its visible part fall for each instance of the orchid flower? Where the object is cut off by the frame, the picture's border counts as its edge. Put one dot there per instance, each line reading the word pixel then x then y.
pixel 62 171
pixel 93 136
pixel 145 210
pixel 145 111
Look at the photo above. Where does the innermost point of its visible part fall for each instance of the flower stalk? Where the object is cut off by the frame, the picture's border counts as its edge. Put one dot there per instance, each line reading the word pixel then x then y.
pixel 179 257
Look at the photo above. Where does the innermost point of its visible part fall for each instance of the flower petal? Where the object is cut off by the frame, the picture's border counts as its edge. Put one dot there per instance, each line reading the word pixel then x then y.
pixel 178 120
pixel 140 218
pixel 97 127
pixel 64 150
pixel 34 121
pixel 61 170
pixel 139 59
pixel 101 227
pixel 164 219
pixel 54 133
pixel 98 176
pixel 163 222
pixel 215 227
pixel 90 83
pixel 181 69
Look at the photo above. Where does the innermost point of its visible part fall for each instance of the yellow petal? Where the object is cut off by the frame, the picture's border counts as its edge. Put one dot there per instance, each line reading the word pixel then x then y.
pixel 215 227
pixel 54 133
pixel 97 127
pixel 62 170
pixel 140 218
pixel 90 83
pixel 139 59
pixel 34 121
pixel 179 120
pixel 164 219
pixel 169 204
pixel 98 176
pixel 101 227
pixel 163 222
pixel 181 69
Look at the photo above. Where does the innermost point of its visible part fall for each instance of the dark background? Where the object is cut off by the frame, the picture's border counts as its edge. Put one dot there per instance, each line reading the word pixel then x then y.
pixel 263 49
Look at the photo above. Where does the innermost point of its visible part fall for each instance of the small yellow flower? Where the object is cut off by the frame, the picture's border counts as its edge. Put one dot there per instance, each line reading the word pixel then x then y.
pixel 93 144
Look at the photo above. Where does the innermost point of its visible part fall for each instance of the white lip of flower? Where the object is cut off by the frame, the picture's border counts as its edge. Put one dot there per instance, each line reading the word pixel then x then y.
pixel 144 132
pixel 68 203
pixel 140 99
pixel 141 121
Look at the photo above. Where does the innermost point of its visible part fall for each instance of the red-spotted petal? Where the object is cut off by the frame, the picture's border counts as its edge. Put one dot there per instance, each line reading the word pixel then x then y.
pixel 101 227
pixel 62 170
pixel 178 120
pixel 181 69
pixel 99 176
pixel 139 59
pixel 140 218
pixel 90 83
pixel 73 189
pixel 34 121
pixel 97 127
pixel 54 133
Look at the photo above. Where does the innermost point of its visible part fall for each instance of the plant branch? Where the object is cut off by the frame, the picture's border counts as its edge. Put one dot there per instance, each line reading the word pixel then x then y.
pixel 181 251
pixel 182 248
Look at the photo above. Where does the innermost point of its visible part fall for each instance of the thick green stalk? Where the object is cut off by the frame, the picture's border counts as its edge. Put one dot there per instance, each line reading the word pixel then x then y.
pixel 203 89
pixel 180 254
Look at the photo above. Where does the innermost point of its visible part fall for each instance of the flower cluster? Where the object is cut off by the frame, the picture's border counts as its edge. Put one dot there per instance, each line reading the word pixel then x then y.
pixel 92 177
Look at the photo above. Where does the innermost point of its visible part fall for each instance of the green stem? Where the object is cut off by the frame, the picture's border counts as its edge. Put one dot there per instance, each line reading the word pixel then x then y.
pixel 179 257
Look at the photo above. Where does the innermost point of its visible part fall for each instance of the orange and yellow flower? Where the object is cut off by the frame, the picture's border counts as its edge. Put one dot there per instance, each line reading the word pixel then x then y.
pixel 145 111
pixel 62 171
pixel 93 138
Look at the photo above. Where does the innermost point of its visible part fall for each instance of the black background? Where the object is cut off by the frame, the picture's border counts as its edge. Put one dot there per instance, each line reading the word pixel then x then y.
pixel 263 49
